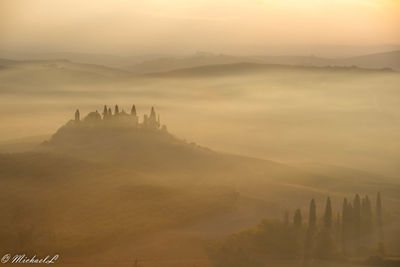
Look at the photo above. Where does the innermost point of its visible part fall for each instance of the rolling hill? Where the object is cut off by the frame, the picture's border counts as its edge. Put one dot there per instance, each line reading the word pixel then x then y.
pixel 54 73
pixel 170 160
pixel 386 60
pixel 243 68
pixel 373 61
pixel 98 189
pixel 77 207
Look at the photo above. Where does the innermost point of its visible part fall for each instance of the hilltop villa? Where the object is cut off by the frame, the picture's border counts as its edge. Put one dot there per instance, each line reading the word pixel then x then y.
pixel 120 118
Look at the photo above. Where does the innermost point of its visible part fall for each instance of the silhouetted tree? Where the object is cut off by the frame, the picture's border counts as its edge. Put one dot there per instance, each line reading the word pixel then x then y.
pixel 366 216
pixel 328 214
pixel 325 248
pixel 312 226
pixel 297 219
pixel 346 224
pixel 379 216
pixel 77 115
pixel 357 221
pixel 133 110
pixel 105 112
pixel 116 111
pixel 337 227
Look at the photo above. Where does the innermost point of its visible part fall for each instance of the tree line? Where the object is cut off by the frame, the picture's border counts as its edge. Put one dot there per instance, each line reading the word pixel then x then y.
pixel 354 232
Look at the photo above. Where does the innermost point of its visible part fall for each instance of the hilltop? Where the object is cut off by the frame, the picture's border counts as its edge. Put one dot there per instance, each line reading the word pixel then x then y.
pixel 123 140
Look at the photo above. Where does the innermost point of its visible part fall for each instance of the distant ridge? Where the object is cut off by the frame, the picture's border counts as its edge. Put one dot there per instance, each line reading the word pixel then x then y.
pixel 382 60
pixel 55 72
pixel 245 68
pixel 140 65
pixel 61 63
pixel 379 60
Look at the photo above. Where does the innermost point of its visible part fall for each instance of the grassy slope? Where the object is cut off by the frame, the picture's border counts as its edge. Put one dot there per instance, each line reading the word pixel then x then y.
pixel 108 201
pixel 52 202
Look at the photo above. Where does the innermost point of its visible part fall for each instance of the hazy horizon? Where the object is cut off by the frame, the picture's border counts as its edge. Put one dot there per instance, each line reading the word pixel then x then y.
pixel 127 28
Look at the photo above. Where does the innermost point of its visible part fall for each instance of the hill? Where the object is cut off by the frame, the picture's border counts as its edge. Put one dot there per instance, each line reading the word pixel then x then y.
pixel 375 61
pixel 97 189
pixel 22 144
pixel 109 60
pixel 78 208
pixel 164 64
pixel 255 68
pixel 55 73
pixel 170 160
pixel 386 60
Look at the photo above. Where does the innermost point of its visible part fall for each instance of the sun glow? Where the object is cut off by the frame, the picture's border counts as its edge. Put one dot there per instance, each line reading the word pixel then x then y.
pixel 221 25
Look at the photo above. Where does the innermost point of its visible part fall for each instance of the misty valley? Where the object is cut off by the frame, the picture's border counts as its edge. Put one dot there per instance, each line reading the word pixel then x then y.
pixel 208 160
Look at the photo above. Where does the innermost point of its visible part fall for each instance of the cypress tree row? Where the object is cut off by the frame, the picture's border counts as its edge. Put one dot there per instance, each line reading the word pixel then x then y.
pixel 355 223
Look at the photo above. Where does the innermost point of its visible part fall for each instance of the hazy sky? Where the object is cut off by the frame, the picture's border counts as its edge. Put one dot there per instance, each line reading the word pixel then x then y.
pixel 240 26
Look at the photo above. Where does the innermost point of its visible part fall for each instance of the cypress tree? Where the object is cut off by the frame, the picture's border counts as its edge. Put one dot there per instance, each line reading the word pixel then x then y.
pixel 312 226
pixel 297 219
pixel 379 216
pixel 328 214
pixel 312 217
pixel 366 216
pixel 77 115
pixel 325 248
pixel 105 112
pixel 345 225
pixel 337 226
pixel 357 221
pixel 133 110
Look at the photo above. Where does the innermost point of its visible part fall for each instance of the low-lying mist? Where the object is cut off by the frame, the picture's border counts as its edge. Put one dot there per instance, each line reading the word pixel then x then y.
pixel 340 116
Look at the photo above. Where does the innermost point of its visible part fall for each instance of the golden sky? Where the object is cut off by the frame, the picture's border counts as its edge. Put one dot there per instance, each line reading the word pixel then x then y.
pixel 126 26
